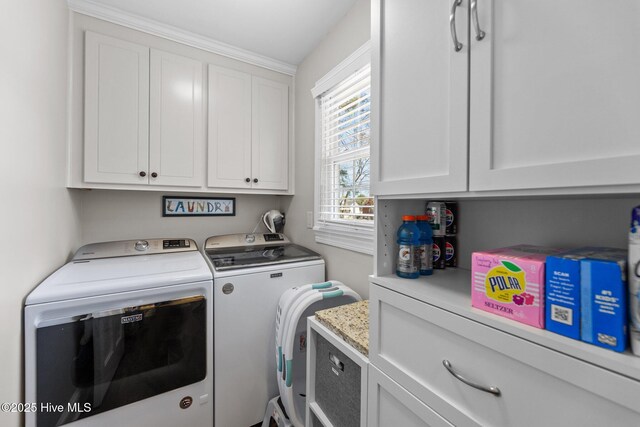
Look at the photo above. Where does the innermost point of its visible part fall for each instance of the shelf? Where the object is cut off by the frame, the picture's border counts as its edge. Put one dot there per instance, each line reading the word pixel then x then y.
pixel 450 290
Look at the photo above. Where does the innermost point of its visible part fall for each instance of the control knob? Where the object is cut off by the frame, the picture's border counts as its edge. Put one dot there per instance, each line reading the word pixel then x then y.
pixel 141 245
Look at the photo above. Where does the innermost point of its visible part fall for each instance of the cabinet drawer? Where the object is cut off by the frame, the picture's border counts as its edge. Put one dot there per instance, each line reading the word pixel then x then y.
pixel 409 340
pixel 392 405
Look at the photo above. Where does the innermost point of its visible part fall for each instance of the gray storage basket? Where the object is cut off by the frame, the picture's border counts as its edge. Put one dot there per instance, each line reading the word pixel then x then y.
pixel 337 385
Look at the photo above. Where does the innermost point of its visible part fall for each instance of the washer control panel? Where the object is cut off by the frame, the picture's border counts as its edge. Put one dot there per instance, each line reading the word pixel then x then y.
pixel 245 240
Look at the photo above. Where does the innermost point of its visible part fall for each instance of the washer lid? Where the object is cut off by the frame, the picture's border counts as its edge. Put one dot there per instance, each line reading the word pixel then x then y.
pixel 256 256
pixel 104 276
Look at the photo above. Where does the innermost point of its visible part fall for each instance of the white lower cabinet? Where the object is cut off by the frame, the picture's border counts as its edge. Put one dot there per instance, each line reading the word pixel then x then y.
pixel 494 378
pixel 392 405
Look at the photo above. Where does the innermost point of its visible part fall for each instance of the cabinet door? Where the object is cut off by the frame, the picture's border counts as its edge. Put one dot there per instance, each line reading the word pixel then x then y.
pixel 419 93
pixel 176 132
pixel 555 94
pixel 229 128
pixel 116 130
pixel 391 405
pixel 270 134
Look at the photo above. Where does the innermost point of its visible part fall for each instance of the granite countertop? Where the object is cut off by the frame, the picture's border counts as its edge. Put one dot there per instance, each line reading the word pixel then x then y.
pixel 350 322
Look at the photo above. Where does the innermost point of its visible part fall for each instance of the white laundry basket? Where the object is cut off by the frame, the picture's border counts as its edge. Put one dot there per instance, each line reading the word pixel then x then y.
pixel 288 300
pixel 292 379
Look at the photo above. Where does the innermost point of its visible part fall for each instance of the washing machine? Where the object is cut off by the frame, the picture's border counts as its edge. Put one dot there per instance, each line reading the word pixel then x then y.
pixel 122 335
pixel 250 272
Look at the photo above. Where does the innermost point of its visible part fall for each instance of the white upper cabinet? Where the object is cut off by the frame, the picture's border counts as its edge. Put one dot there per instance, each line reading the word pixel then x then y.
pixel 248 131
pixel 116 130
pixel 176 131
pixel 229 128
pixel 555 94
pixel 270 134
pixel 143 115
pixel 553 97
pixel 154 120
pixel 419 88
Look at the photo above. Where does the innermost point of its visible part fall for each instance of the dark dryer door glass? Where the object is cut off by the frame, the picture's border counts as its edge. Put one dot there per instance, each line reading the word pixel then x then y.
pixel 101 361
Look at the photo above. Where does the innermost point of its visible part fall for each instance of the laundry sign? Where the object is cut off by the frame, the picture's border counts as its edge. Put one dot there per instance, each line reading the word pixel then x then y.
pixel 198 206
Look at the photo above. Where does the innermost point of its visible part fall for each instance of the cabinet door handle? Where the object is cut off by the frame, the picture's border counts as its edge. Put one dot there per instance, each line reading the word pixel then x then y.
pixel 154 175
pixel 476 23
pixel 255 180
pixel 247 180
pixel 457 46
pixel 491 389
pixel 142 174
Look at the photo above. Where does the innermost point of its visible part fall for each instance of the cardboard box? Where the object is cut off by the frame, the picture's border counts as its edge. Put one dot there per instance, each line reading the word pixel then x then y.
pixel 604 296
pixel 562 289
pixel 510 282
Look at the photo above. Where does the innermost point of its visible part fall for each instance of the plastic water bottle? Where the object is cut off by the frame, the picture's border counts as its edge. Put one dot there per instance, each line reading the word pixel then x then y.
pixel 425 249
pixel 634 280
pixel 408 243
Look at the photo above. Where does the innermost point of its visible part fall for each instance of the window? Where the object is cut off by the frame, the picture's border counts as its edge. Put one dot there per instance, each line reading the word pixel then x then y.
pixel 344 206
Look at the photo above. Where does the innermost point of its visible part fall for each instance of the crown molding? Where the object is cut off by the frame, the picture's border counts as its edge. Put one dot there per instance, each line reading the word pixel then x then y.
pixel 136 22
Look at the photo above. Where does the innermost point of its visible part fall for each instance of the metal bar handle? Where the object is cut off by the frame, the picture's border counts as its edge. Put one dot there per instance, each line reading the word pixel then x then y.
pixel 493 390
pixel 476 23
pixel 457 46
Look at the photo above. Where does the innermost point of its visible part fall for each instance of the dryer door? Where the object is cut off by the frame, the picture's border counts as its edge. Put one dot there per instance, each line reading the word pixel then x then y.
pixel 98 361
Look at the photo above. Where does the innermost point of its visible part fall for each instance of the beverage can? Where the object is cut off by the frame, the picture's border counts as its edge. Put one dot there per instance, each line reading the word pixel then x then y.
pixel 634 280
pixel 426 246
pixel 437 213
pixel 451 251
pixel 439 261
pixel 451 217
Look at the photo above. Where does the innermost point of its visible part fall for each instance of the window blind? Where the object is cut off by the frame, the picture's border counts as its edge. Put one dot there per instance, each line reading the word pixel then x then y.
pixel 345 196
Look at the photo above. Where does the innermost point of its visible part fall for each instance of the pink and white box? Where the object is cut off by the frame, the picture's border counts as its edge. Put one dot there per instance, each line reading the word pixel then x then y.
pixel 510 282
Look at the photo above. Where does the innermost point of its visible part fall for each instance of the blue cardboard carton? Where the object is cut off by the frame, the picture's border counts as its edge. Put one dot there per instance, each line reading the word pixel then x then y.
pixel 562 295
pixel 604 296
pixel 562 289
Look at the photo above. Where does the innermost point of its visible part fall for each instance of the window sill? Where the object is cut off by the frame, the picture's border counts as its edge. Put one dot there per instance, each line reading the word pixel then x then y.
pixel 346 237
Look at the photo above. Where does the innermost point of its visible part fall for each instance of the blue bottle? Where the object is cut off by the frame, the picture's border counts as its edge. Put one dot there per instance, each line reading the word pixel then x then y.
pixel 426 246
pixel 408 243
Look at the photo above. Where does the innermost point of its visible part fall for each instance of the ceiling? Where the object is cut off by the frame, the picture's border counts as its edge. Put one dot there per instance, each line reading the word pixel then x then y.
pixel 286 30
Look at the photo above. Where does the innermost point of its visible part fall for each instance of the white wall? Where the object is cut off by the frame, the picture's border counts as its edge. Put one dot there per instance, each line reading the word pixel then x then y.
pixel 123 215
pixel 349 34
pixel 560 222
pixel 39 220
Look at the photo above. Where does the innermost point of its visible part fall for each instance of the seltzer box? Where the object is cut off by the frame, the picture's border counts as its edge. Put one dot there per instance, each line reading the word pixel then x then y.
pixel 510 282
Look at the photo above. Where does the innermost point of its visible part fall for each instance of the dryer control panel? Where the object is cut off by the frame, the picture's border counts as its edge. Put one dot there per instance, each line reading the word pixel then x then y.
pixel 134 247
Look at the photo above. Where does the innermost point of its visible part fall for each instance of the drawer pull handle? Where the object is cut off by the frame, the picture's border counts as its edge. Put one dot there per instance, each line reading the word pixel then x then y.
pixel 493 390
